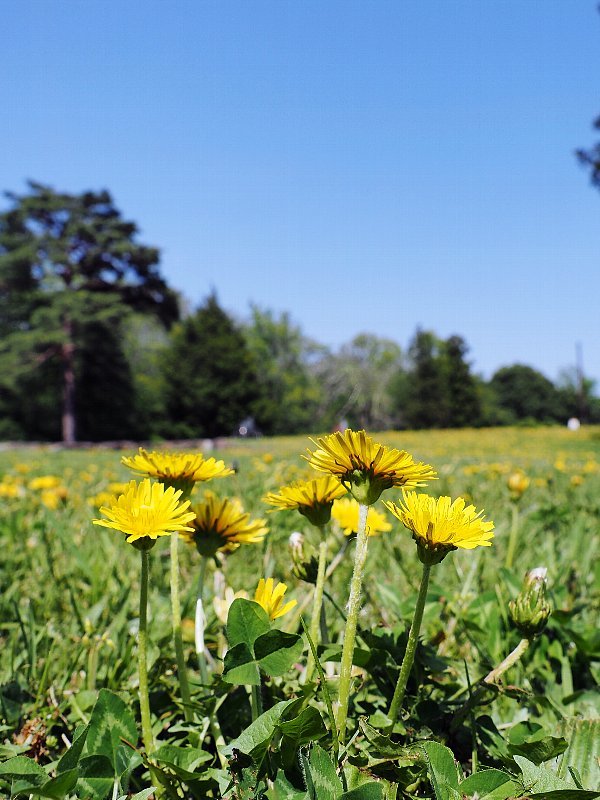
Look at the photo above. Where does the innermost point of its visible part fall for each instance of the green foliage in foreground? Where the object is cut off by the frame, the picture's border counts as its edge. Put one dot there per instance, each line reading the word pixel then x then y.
pixel 68 616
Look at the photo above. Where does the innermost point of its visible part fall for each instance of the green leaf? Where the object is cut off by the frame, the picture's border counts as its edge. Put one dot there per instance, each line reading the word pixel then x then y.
pixel 307 727
pixel 541 782
pixel 110 722
pixel 23 767
pixel 240 667
pixel 70 758
pixel 540 750
pixel 368 791
pixel 246 621
pixel 489 784
pixel 255 740
pixel 583 752
pixel 274 652
pixel 181 760
pixel 442 770
pixel 277 651
pixel 143 795
pixel 59 787
pixel 321 777
pixel 96 777
pixel 282 789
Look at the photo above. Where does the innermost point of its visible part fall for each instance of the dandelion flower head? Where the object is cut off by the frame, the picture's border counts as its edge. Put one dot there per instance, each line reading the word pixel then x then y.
pixel 176 469
pixel 345 513
pixel 441 525
pixel 146 511
pixel 365 467
pixel 312 498
pixel 270 597
pixel 222 524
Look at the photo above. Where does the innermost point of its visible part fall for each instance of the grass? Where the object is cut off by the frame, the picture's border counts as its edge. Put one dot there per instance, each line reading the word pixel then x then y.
pixel 68 599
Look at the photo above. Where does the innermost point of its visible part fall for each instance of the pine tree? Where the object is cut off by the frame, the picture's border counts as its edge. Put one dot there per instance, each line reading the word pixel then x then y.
pixel 210 375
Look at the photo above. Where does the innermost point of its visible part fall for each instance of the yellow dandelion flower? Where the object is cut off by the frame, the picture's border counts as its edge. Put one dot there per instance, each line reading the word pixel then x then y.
pixel 365 467
pixel 345 513
pixel 312 498
pixel 181 470
pixel 270 597
pixel 52 498
pixel 222 524
pixel 146 511
pixel 44 482
pixel 441 525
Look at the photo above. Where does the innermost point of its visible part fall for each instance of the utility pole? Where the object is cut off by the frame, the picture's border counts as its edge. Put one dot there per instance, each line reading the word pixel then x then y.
pixel 581 404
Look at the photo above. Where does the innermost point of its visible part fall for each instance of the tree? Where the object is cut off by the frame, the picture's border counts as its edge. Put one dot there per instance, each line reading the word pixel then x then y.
pixel 523 393
pixel 426 400
pixel 463 404
pixel 289 394
pixel 357 381
pixel 70 268
pixel 210 376
pixel 591 158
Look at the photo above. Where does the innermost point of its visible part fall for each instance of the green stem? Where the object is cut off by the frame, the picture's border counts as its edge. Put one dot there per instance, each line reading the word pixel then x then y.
pixel 215 728
pixel 147 736
pixel 360 559
pixel 512 537
pixel 184 686
pixel 490 679
pixel 256 702
pixel 411 647
pixel 315 620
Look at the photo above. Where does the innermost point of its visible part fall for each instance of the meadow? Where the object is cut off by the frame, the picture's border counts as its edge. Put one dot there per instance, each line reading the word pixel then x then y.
pixel 69 619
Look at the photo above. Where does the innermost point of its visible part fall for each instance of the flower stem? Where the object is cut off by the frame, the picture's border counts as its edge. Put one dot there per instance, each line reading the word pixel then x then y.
pixel 184 686
pixel 215 728
pixel 352 621
pixel 147 736
pixel 256 702
pixel 317 604
pixel 490 679
pixel 512 537
pixel 411 647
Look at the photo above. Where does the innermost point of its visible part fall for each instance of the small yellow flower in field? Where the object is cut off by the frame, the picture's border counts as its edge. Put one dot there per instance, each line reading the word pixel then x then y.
pixel 560 464
pixel 439 526
pixel 270 597
pixel 267 458
pixel 10 489
pixel 52 498
pixel 222 524
pixel 345 513
pixel 313 499
pixel 182 470
pixel 44 482
pixel 146 511
pixel 365 467
pixel 118 487
pixel 222 605
pixel 576 480
pixel 590 467
pixel 518 482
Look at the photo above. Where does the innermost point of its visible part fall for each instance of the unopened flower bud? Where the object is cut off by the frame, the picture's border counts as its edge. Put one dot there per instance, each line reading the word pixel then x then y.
pixel 304 566
pixel 531 609
pixel 518 483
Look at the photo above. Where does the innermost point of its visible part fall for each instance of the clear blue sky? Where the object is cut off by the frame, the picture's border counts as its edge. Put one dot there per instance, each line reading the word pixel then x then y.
pixel 367 166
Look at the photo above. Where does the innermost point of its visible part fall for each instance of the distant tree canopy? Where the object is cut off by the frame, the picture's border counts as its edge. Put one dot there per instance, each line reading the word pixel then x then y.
pixel 210 375
pixel 70 271
pixel 91 346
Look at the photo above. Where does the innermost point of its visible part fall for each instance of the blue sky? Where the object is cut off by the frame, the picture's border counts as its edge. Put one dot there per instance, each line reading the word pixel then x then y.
pixel 366 166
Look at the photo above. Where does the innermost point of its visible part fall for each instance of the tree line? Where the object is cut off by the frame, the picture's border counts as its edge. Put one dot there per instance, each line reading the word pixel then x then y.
pixel 93 346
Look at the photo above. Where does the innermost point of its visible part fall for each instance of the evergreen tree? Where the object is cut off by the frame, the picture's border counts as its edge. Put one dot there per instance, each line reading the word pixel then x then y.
pixel 426 402
pixel 462 398
pixel 69 264
pixel 210 375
